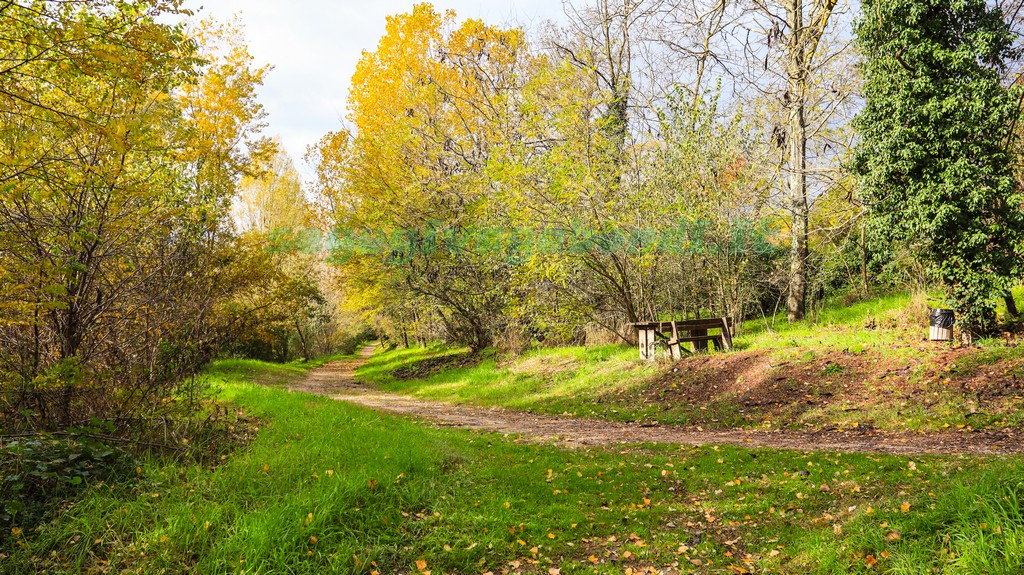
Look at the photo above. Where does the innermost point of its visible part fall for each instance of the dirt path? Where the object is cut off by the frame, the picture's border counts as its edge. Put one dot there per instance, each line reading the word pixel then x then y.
pixel 336 380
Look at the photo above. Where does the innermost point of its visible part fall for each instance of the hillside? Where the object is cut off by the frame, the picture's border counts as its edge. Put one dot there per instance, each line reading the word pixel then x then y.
pixel 862 366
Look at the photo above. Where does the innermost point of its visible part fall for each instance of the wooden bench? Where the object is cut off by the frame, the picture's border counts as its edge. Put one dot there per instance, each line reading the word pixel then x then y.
pixel 674 333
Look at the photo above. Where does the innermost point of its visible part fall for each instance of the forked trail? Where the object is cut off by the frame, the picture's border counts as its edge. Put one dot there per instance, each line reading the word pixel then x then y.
pixel 336 380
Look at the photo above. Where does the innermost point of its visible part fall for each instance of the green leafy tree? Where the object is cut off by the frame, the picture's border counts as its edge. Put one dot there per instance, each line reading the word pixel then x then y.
pixel 933 159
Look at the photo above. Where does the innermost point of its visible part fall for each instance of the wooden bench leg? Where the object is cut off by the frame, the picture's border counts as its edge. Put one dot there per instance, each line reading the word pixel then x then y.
pixel 646 343
pixel 699 345
pixel 726 335
pixel 673 344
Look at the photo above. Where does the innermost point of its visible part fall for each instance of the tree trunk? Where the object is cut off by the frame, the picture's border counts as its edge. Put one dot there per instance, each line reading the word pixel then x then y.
pixel 863 260
pixel 1011 305
pixel 302 341
pixel 796 165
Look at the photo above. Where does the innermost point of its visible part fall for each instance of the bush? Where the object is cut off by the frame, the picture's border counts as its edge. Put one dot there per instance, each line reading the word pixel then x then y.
pixel 38 473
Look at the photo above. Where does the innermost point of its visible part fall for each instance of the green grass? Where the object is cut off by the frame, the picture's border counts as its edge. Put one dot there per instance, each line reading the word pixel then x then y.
pixel 547 380
pixel 228 371
pixel 329 488
pixel 870 324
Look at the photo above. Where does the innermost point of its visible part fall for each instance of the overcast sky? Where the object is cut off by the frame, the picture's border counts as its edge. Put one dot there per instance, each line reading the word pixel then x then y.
pixel 314 45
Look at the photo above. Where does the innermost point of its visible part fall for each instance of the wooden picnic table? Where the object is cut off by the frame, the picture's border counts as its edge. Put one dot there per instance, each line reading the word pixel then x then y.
pixel 676 332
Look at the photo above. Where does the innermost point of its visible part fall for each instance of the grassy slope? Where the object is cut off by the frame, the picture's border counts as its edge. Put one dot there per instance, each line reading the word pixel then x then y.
pixel 330 488
pixel 864 365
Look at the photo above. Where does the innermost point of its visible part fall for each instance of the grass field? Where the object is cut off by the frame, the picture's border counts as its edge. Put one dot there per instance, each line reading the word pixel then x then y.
pixel 329 488
pixel 866 365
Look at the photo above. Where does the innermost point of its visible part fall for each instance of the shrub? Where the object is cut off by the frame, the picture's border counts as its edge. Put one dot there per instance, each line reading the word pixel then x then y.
pixel 37 473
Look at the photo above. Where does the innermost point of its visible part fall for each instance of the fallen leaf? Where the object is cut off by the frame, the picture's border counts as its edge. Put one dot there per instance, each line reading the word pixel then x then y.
pixel 421 564
pixel 593 559
pixel 893 535
pixel 905 506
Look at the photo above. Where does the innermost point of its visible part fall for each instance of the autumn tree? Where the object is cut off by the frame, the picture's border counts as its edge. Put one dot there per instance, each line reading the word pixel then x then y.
pixel 271 197
pixel 628 91
pixel 106 215
pixel 426 107
pixel 282 310
pixel 577 176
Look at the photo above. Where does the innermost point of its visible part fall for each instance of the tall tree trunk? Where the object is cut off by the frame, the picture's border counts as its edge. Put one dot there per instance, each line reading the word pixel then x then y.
pixel 796 165
pixel 863 259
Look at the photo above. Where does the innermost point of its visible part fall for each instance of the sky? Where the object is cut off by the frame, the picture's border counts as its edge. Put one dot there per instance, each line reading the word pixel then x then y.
pixel 314 45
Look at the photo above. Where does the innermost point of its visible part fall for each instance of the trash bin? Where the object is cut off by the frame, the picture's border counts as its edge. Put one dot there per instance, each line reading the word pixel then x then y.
pixel 941 323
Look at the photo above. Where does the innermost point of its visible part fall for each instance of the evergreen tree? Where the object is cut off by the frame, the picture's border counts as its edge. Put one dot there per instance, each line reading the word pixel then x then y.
pixel 933 156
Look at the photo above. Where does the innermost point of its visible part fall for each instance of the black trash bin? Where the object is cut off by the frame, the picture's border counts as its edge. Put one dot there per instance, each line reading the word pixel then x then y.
pixel 941 323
